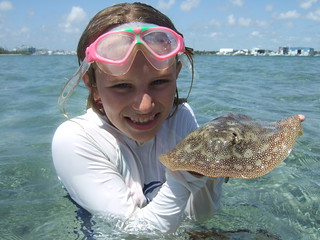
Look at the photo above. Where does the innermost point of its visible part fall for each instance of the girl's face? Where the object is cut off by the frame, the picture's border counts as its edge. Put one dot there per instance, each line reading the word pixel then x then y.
pixel 138 102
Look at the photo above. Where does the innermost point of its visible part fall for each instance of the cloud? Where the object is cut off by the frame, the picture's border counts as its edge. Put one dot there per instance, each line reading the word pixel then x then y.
pixel 231 19
pixel 289 15
pixel 242 22
pixel 214 35
pixel 306 4
pixel 269 8
pixel 214 22
pixel 24 30
pixel 76 16
pixel 314 15
pixel 307 39
pixel 245 22
pixel 261 23
pixel 187 5
pixel 6 6
pixel 162 4
pixel 256 34
pixel 238 3
pixel 31 13
pixel 288 25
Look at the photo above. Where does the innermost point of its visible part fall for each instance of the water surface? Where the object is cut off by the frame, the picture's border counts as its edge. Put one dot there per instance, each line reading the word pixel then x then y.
pixel 284 203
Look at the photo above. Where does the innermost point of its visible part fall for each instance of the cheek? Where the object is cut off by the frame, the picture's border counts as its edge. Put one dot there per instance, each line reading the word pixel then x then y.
pixel 111 104
pixel 171 91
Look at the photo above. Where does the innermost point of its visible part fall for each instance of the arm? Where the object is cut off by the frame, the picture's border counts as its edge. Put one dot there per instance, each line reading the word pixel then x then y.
pixel 93 180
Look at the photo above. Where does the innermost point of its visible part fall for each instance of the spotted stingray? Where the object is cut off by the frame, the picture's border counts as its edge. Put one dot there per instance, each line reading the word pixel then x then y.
pixel 235 145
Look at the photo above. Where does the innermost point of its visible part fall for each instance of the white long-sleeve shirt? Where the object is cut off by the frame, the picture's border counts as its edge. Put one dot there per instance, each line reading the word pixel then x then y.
pixel 109 174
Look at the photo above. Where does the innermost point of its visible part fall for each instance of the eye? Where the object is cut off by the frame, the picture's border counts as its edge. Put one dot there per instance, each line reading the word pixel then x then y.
pixel 159 82
pixel 121 86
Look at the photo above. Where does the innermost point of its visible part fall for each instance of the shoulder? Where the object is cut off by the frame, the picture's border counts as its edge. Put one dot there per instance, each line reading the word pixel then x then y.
pixel 73 128
pixel 185 117
pixel 86 131
pixel 82 141
pixel 185 110
pixel 180 124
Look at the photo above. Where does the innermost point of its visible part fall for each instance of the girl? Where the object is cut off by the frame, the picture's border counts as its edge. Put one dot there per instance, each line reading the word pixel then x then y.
pixel 107 159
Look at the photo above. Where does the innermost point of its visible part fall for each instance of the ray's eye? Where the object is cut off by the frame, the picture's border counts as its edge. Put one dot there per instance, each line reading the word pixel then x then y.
pixel 235 138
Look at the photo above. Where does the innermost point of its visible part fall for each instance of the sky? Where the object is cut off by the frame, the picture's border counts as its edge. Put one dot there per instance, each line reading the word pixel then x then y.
pixel 206 24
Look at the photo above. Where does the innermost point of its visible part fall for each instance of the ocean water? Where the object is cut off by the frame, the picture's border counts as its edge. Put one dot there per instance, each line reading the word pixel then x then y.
pixel 284 204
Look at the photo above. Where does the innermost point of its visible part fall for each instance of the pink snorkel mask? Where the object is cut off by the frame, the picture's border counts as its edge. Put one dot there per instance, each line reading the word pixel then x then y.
pixel 115 51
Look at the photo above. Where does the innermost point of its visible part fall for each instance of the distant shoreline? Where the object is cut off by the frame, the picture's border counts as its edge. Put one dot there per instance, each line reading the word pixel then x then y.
pixel 15 53
pixel 12 54
pixel 197 52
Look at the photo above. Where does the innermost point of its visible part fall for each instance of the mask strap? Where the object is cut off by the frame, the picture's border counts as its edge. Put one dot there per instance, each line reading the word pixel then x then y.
pixel 186 62
pixel 71 84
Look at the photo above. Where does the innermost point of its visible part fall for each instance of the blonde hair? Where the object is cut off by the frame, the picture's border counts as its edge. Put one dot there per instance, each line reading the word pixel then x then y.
pixel 116 15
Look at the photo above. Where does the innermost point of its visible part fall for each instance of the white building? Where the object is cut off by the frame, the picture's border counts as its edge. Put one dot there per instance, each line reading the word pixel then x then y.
pixel 259 52
pixel 225 51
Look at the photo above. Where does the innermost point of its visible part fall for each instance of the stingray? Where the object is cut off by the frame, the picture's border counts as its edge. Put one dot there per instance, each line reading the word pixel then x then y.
pixel 235 145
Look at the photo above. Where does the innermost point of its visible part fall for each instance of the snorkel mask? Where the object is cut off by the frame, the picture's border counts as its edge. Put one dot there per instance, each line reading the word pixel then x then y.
pixel 115 51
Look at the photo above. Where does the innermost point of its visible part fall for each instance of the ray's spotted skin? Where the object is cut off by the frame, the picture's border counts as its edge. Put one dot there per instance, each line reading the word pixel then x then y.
pixel 235 145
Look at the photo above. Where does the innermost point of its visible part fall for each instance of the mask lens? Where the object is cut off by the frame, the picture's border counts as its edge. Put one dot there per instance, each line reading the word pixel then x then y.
pixel 161 43
pixel 115 47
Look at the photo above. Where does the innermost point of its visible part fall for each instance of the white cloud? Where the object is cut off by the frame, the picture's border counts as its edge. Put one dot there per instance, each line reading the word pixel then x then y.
pixel 288 25
pixel 6 6
pixel 238 3
pixel 231 19
pixel 256 34
pixel 314 15
pixel 214 22
pixel 262 23
pixel 289 15
pixel 76 16
pixel 276 41
pixel 307 39
pixel 269 8
pixel 306 4
pixel 24 30
pixel 187 5
pixel 31 13
pixel 162 4
pixel 214 34
pixel 245 22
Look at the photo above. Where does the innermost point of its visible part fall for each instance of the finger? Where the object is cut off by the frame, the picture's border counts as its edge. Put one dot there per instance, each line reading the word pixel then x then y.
pixel 302 117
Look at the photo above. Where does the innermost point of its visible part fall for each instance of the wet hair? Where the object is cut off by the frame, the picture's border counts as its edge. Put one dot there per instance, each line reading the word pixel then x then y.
pixel 113 16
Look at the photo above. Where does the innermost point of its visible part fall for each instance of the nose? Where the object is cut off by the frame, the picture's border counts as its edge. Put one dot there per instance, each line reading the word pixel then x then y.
pixel 143 103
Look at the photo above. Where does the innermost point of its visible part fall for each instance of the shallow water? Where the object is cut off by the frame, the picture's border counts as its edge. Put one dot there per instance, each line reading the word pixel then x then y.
pixel 283 204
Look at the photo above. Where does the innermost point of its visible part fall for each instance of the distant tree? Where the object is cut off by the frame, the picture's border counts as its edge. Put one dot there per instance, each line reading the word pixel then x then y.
pixel 3 50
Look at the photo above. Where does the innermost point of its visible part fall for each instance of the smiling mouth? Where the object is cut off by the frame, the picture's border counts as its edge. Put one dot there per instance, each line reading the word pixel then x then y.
pixel 142 120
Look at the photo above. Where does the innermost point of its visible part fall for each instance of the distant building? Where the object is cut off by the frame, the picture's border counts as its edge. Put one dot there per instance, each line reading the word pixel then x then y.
pixel 225 51
pixel 241 52
pixel 296 51
pixel 259 52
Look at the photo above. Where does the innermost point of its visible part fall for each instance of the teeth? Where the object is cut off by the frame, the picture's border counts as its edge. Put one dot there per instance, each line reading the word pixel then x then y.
pixel 142 120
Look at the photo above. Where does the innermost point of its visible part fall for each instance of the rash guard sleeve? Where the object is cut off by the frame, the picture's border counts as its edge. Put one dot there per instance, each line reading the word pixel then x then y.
pixel 105 176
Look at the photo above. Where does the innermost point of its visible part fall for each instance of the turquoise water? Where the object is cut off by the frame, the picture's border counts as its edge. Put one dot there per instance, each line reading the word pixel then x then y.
pixel 284 203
